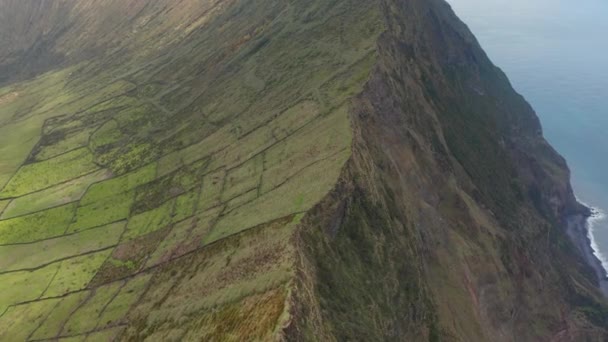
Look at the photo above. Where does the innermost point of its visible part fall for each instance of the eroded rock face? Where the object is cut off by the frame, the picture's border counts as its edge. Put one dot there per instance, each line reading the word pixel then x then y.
pixel 300 170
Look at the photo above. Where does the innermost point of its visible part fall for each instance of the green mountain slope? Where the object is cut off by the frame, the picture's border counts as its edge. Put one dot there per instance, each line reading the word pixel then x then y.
pixel 275 170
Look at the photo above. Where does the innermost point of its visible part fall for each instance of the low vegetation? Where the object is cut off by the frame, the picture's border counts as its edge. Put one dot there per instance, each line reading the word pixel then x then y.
pixel 122 178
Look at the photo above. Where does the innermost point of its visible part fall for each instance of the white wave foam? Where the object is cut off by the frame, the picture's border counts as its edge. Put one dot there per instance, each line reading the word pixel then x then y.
pixel 597 215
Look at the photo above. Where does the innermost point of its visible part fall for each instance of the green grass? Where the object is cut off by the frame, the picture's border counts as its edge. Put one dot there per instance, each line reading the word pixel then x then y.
pixel 265 136
pixel 242 199
pixel 185 205
pixel 121 304
pixel 298 194
pixel 16 142
pixel 41 175
pixel 37 226
pixel 71 102
pixel 25 256
pixel 153 194
pixel 60 194
pixel 3 205
pixel 51 326
pixel 119 185
pixel 105 335
pixel 80 338
pixel 190 150
pixel 132 157
pixel 175 242
pixel 113 103
pixel 108 134
pixel 203 149
pixel 69 142
pixel 75 274
pixel 184 237
pixel 227 276
pixel 107 210
pixel 86 317
pixel 20 321
pixel 130 265
pixel 150 221
pixel 211 192
pixel 243 178
pixel 322 139
pixel 12 285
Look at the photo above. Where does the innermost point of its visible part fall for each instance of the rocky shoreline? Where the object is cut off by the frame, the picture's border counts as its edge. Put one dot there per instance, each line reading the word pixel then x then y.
pixel 578 230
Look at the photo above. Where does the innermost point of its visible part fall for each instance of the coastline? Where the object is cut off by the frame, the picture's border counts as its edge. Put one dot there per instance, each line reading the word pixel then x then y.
pixel 579 228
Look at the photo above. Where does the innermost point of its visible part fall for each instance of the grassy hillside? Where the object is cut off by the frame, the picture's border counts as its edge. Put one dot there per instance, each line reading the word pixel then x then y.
pixel 152 177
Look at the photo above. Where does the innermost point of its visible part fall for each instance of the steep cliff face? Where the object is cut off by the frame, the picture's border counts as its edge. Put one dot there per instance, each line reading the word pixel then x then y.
pixel 449 221
pixel 301 170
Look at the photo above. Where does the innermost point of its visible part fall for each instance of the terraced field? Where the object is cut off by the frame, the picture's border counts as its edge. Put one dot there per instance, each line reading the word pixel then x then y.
pixel 151 191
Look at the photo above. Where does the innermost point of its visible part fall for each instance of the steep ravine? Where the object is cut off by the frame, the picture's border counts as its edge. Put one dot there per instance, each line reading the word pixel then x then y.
pixel 449 222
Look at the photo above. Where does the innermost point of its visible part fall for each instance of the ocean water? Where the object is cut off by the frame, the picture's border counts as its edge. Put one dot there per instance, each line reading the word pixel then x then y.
pixel 556 54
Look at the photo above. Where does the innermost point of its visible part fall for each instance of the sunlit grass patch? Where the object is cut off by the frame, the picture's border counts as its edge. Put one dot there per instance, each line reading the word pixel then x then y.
pixel 153 194
pixel 86 317
pixel 108 134
pixel 20 321
pixel 265 136
pixel 75 274
pixel 51 326
pixel 71 102
pixel 52 197
pixel 41 175
pixel 26 256
pixel 186 236
pixel 185 205
pixel 3 205
pixel 321 139
pixel 120 184
pixel 133 156
pixel 37 226
pixel 298 194
pixel 24 286
pixel 107 210
pixel 150 221
pixel 16 142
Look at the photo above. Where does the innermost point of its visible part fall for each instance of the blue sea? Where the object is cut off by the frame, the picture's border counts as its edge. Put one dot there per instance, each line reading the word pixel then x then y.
pixel 556 54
